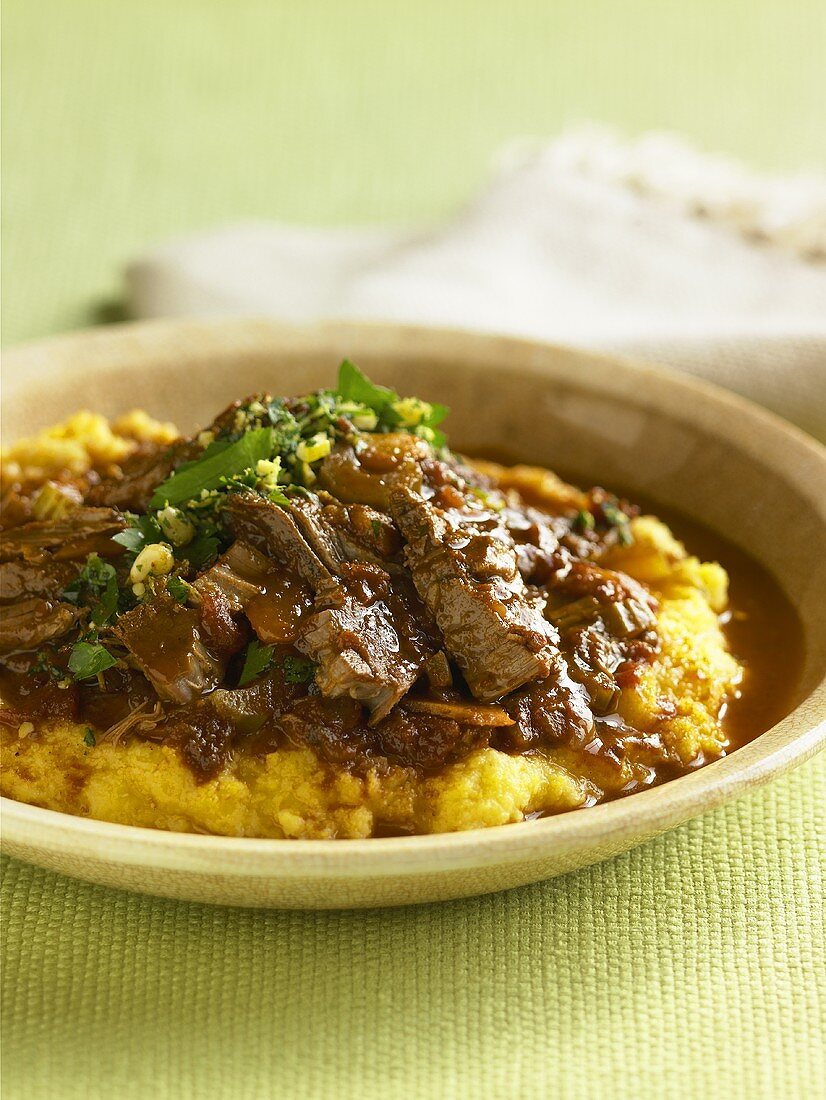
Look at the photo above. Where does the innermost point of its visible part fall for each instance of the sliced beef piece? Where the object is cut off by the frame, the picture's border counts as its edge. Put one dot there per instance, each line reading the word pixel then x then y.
pixel 465 571
pixel 240 574
pixel 222 633
pixel 363 533
pixel 354 532
pixel 273 597
pixel 554 712
pixel 315 536
pixel 84 531
pixel 140 474
pixel 273 530
pixel 365 639
pixel 318 533
pixel 164 641
pixel 31 622
pixel 22 579
pixel 366 632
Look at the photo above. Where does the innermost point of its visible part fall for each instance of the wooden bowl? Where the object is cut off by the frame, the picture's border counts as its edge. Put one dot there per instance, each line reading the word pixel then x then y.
pixel 716 457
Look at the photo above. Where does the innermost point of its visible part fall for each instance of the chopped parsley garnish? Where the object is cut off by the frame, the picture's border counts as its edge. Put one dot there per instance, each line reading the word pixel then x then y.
pixel 299 670
pixel 353 385
pixel 272 446
pixel 616 518
pixel 177 588
pixel 96 586
pixel 257 661
pixel 88 659
pixel 89 737
pixel 393 412
pixel 219 462
pixel 43 665
pixel 142 531
pixel 583 521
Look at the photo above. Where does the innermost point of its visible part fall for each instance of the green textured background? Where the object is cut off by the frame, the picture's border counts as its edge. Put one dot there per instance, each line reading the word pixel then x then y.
pixel 126 121
pixel 692 967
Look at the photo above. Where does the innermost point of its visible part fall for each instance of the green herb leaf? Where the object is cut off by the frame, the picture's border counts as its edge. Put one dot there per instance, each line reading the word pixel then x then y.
pixel 299 670
pixel 96 586
pixel 354 386
pixel 106 610
pixel 132 538
pixel 258 660
pixel 177 588
pixel 89 737
pixel 88 659
pixel 219 461
pixel 44 665
pixel 437 415
pixel 142 531
pixel 199 552
pixel 583 521
pixel 616 518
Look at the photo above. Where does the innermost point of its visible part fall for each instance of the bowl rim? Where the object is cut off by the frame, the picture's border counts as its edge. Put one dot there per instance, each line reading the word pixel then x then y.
pixel 797 737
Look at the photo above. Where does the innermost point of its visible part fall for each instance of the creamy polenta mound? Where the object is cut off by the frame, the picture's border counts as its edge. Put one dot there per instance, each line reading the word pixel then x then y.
pixel 492 755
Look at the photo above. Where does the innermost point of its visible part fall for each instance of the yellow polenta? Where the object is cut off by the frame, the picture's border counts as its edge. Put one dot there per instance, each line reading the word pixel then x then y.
pixel 291 793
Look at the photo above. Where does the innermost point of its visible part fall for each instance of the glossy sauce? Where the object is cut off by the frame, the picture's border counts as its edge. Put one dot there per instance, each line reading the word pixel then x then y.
pixel 761 626
pixel 762 629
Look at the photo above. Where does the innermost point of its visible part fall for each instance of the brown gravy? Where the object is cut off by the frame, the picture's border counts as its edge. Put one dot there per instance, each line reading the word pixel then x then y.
pixel 762 627
pixel 763 630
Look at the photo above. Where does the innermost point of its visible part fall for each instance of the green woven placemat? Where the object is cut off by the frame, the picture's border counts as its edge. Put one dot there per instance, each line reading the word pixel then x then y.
pixel 694 966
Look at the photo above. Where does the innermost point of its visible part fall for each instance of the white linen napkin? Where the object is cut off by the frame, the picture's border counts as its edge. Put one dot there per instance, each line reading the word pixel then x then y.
pixel 646 247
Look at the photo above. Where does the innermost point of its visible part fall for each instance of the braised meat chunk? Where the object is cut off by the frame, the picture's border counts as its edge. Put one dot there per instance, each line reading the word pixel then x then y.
pixel 363 633
pixel 163 640
pixel 45 578
pixel 81 532
pixel 365 638
pixel 131 488
pixel 29 623
pixel 465 570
